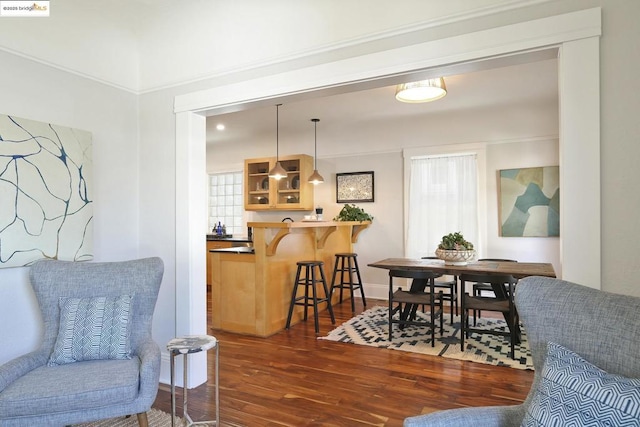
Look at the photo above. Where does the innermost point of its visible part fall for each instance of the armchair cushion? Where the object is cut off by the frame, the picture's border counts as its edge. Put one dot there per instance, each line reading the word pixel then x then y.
pixel 573 391
pixel 72 387
pixel 92 329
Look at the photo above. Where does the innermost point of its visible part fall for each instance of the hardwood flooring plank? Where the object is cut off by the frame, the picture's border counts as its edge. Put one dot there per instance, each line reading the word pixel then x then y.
pixel 293 379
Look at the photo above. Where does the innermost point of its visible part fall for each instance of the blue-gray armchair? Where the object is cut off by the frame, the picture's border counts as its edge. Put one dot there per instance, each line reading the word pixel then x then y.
pixel 97 359
pixel 601 327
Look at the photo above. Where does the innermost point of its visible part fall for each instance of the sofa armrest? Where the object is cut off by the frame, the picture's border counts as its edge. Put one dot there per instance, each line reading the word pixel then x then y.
pixel 149 354
pixel 488 416
pixel 16 368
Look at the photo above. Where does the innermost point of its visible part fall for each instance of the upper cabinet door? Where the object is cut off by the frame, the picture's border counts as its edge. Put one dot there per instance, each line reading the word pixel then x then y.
pixel 293 192
pixel 257 185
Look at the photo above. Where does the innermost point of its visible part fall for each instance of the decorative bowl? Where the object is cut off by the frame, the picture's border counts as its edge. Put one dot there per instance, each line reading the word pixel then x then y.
pixel 455 257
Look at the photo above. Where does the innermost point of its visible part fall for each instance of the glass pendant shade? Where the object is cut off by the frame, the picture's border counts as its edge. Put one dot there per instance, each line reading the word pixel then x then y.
pixel 315 177
pixel 422 91
pixel 277 172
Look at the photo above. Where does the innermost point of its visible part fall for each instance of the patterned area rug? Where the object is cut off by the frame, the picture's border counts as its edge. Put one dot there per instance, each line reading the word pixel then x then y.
pixel 372 328
pixel 155 417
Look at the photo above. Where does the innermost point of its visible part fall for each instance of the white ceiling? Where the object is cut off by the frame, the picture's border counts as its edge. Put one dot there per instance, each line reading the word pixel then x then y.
pixel 509 86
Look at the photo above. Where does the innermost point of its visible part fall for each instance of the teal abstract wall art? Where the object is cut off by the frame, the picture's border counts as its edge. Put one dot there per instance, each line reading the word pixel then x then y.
pixel 529 201
pixel 46 192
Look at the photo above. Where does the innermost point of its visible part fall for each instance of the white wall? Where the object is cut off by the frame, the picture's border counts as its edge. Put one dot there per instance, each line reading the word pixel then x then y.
pixel 39 92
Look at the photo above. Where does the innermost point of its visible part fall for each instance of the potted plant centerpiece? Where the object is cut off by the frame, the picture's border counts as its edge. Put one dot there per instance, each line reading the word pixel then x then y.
pixel 352 213
pixel 455 250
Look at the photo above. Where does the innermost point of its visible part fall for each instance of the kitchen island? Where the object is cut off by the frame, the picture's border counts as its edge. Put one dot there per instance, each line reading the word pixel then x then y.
pixel 251 290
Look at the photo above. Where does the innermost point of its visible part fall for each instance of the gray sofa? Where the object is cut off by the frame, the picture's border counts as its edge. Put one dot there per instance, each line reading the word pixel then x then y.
pixel 601 327
pixel 33 393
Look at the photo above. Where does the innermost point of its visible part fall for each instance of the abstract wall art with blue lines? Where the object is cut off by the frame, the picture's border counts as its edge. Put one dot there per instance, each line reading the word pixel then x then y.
pixel 46 192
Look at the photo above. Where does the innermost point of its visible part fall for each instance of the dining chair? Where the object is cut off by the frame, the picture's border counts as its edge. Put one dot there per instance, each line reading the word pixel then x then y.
pixel 478 288
pixel 451 286
pixel 417 295
pixel 502 301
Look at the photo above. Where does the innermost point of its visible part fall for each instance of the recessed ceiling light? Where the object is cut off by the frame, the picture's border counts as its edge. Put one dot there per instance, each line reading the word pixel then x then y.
pixel 220 126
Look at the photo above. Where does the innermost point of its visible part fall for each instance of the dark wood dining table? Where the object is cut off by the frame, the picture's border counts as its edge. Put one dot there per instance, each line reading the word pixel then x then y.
pixel 518 270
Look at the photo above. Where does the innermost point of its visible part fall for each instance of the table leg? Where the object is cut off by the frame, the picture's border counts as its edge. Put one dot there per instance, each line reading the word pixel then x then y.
pixel 218 384
pixel 173 389
pixel 184 390
pixel 409 310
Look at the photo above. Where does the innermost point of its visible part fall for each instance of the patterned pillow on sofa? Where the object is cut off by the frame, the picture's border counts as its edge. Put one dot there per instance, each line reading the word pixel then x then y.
pixel 573 391
pixel 91 329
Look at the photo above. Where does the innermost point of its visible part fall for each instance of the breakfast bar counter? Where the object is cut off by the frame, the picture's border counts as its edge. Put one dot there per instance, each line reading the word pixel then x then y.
pixel 250 292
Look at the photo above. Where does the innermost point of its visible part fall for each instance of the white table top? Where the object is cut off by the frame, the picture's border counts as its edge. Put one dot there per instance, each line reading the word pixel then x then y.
pixel 191 344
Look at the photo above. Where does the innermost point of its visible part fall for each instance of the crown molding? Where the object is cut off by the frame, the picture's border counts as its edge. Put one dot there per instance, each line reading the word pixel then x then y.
pixel 69 70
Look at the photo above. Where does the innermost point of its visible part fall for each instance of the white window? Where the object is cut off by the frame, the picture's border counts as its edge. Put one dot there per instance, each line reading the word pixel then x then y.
pixel 226 204
pixel 442 199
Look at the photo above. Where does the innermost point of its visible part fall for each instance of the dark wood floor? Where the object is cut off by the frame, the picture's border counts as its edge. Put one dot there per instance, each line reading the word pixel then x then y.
pixel 294 379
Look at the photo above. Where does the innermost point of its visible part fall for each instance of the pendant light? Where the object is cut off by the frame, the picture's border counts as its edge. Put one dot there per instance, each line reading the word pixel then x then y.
pixel 278 171
pixel 422 91
pixel 315 177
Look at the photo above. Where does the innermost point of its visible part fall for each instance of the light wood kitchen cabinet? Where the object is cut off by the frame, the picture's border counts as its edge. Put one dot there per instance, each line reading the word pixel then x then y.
pixel 214 244
pixel 293 192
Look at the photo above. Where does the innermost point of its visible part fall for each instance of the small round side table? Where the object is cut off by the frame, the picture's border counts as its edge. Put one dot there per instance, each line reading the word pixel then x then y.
pixel 185 346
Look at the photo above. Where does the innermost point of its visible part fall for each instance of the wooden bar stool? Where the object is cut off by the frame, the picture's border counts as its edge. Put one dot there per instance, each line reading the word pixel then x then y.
pixel 347 264
pixel 309 281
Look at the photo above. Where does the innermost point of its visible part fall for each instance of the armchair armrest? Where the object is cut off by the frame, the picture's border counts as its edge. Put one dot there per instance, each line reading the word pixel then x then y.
pixel 149 354
pixel 16 368
pixel 488 416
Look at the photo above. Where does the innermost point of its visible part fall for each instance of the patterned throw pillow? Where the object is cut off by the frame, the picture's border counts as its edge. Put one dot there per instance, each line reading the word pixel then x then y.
pixel 92 329
pixel 573 392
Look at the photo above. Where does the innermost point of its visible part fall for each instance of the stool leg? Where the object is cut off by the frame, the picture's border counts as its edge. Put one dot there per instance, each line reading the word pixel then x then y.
pixel 333 277
pixel 329 308
pixel 315 300
pixel 308 274
pixel 364 301
pixel 293 298
pixel 351 289
pixel 341 270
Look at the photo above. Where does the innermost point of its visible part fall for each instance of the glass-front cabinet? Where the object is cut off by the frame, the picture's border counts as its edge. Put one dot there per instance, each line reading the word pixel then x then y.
pixel 293 192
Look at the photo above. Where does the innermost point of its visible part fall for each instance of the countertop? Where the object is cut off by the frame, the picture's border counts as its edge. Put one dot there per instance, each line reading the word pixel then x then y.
pixel 307 224
pixel 238 250
pixel 227 239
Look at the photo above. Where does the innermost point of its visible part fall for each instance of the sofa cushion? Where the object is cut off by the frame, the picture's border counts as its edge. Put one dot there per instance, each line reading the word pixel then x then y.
pixel 92 329
pixel 573 391
pixel 72 387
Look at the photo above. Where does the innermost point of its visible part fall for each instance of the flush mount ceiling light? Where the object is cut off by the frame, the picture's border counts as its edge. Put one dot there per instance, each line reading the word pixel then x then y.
pixel 422 91
pixel 278 171
pixel 315 177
